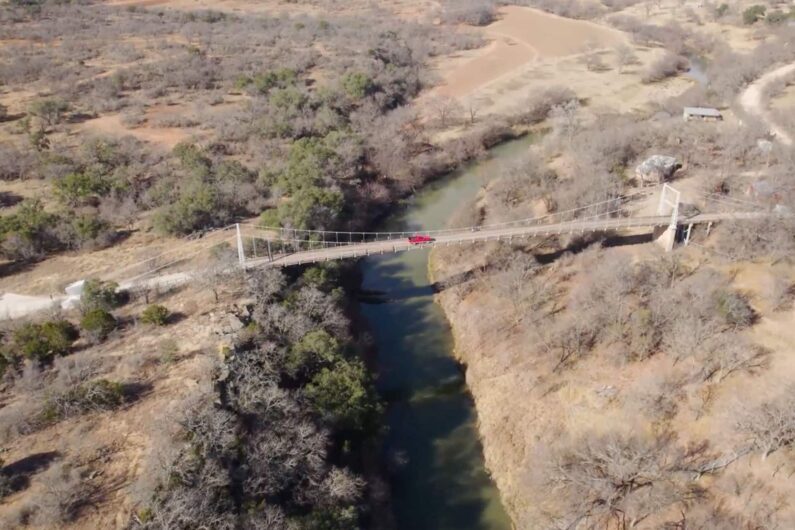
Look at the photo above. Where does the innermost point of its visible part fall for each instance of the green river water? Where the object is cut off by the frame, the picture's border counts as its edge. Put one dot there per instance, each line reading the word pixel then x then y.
pixel 437 472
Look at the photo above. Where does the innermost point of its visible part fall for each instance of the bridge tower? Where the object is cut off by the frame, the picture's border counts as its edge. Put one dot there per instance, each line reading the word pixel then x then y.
pixel 241 253
pixel 669 204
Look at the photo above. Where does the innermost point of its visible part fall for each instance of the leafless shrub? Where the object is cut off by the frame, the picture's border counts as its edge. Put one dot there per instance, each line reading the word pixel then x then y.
pixel 692 16
pixel 781 293
pixel 522 181
pixel 65 494
pixel 15 163
pixel 605 298
pixel 87 397
pixel 703 307
pixel 771 237
pixel 729 353
pixel 771 425
pixel 659 398
pixel 603 479
pixel 666 66
pixel 280 462
pixel 18 516
pixel 592 58
pixel 625 56
pixel 342 486
pixel 447 110
pixel 569 339
pixel 751 502
pixel 173 120
pixel 265 284
pixel 75 369
pixel 567 8
pixel 565 119
pixel 323 310
pixel 620 5
pixel 473 12
pixel 539 105
pixel 519 284
pixel 730 72
pixel 31 378
pixel 133 118
pixel 17 420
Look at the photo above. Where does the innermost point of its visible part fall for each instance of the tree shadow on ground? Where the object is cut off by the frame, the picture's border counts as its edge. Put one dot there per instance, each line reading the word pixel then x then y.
pixel 18 473
pixel 136 391
pixel 8 199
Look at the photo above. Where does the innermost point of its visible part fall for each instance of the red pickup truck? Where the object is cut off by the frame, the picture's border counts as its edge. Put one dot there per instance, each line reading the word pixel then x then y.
pixel 420 240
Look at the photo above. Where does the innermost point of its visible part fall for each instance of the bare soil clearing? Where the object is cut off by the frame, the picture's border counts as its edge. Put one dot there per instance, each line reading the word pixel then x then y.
pixel 531 50
pixel 520 36
pixel 112 125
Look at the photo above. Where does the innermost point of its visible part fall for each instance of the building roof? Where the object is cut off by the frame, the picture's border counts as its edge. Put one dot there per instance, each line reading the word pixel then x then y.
pixel 703 111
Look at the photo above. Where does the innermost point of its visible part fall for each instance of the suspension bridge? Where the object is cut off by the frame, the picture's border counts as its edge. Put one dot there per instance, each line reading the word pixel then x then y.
pixel 263 247
pixel 659 209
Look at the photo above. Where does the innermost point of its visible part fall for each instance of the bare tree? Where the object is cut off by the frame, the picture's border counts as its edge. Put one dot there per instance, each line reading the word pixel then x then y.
pixel 781 292
pixel 447 110
pixel 565 119
pixel 474 12
pixel 569 339
pixel 729 353
pixel 625 56
pixel 518 284
pixel 65 494
pixel 771 425
pixel 616 480
pixel 592 57
pixel 472 111
pixel 220 267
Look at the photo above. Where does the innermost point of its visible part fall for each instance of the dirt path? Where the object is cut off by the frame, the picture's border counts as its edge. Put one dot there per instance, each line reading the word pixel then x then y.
pixel 520 37
pixel 752 100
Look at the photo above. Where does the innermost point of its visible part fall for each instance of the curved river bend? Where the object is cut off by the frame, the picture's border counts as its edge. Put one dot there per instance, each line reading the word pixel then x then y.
pixel 438 477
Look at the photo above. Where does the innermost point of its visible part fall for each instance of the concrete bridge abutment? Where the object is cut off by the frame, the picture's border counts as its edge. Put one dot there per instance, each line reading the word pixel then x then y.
pixel 668 205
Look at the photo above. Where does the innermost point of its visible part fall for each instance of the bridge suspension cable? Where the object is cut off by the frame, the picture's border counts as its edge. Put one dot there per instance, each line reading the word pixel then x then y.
pixel 356 237
pixel 285 246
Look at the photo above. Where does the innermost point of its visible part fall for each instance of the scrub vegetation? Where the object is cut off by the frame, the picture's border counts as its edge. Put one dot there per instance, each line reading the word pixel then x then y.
pixel 278 441
pixel 304 122
pixel 245 401
pixel 298 137
pixel 654 386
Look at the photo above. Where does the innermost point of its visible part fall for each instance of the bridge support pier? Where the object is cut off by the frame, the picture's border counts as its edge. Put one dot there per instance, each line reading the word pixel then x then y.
pixel 665 237
pixel 241 253
pixel 669 204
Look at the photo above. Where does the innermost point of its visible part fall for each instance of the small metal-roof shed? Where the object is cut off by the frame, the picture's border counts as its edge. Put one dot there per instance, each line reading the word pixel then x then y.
pixel 702 113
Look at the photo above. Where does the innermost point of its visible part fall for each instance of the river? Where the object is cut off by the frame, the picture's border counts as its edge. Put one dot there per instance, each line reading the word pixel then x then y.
pixel 437 472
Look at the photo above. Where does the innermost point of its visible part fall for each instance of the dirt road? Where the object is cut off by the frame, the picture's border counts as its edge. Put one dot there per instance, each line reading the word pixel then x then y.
pixel 752 101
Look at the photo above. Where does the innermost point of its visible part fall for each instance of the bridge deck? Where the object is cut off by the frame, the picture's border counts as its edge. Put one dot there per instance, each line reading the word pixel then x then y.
pixel 485 234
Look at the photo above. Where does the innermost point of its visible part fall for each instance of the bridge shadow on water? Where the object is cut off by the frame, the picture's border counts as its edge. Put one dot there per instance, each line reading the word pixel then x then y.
pixel 432 447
